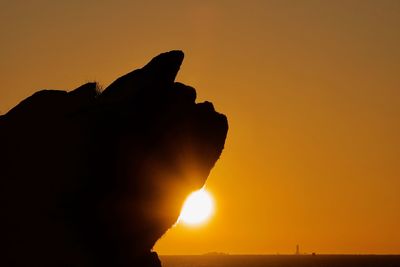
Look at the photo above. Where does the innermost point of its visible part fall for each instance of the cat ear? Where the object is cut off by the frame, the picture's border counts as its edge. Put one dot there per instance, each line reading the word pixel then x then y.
pixel 159 73
pixel 165 66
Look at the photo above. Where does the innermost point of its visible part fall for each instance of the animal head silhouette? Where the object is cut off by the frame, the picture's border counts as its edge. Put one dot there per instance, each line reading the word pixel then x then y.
pixel 94 178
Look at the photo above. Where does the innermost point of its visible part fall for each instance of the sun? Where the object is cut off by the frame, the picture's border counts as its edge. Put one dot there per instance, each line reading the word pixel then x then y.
pixel 198 207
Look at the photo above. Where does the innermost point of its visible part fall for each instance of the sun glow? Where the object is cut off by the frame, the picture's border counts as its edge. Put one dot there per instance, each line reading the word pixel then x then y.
pixel 197 208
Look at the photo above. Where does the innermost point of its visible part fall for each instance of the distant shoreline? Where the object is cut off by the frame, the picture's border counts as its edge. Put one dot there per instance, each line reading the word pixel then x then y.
pixel 280 254
pixel 281 260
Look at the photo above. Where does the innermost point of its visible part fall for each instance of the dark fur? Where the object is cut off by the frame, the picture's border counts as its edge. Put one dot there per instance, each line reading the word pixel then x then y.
pixel 94 179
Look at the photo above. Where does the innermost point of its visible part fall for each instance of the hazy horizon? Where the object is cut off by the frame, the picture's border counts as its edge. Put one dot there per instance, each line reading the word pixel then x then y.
pixel 278 254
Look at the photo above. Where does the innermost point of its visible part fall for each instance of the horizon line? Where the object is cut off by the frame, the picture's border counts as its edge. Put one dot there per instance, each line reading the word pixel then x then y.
pixel 282 254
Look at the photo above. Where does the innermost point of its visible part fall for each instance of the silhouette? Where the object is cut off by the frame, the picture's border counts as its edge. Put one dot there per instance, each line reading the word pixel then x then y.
pixel 92 178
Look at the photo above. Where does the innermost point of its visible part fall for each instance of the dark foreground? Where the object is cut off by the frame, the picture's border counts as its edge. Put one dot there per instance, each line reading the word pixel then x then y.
pixel 95 178
pixel 281 261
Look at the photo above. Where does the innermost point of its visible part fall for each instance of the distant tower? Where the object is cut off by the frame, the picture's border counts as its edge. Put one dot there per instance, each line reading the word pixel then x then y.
pixel 297 250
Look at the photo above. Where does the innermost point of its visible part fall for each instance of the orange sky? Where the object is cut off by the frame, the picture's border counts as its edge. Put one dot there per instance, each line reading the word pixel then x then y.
pixel 311 90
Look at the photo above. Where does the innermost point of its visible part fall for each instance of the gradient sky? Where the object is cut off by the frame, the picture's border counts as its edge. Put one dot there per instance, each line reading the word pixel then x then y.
pixel 311 90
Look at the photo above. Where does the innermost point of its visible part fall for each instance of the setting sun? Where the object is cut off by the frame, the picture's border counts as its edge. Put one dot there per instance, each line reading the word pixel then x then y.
pixel 197 208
